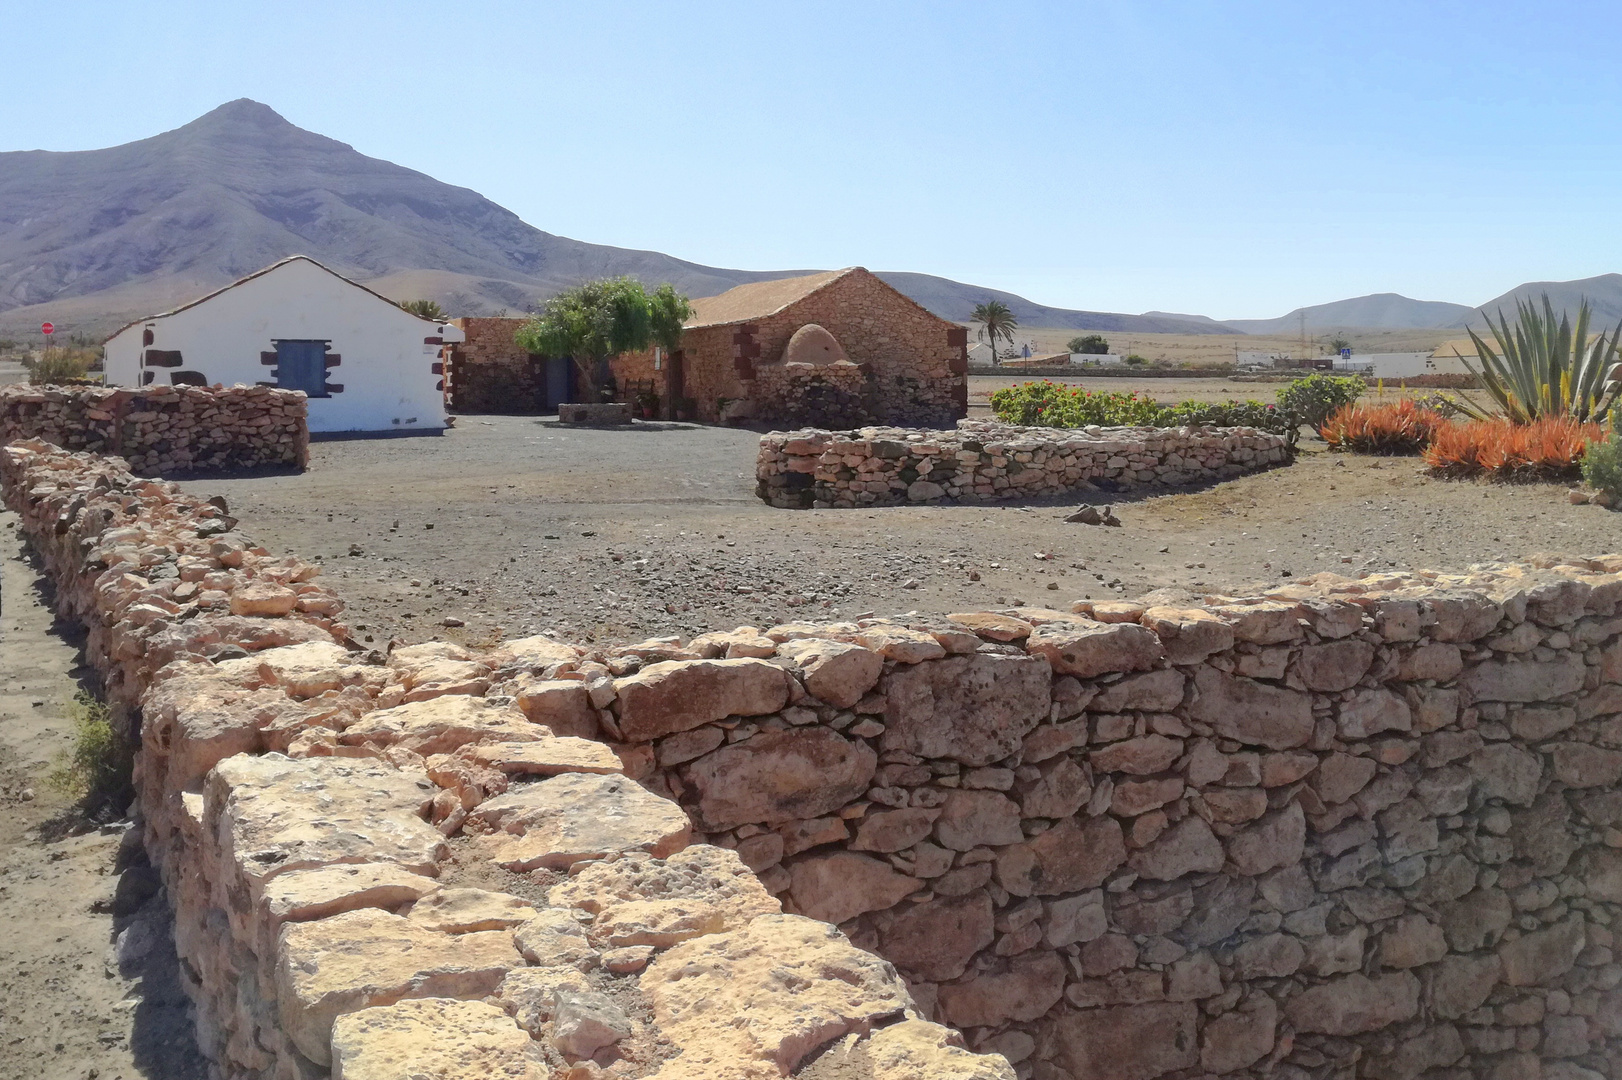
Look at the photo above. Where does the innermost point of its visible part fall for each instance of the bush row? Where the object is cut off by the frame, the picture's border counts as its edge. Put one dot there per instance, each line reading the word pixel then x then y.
pixel 1305 401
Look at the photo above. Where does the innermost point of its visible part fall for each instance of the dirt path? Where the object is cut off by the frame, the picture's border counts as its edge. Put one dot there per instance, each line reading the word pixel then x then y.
pixel 512 524
pixel 69 1010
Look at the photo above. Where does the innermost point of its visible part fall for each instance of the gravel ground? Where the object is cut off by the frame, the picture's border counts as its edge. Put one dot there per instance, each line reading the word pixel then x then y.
pixel 73 1006
pixel 517 525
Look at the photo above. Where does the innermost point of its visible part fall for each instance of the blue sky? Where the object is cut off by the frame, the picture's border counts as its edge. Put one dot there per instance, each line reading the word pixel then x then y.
pixel 1233 159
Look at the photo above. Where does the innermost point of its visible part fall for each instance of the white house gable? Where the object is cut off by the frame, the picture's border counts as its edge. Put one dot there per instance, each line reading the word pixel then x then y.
pixel 366 364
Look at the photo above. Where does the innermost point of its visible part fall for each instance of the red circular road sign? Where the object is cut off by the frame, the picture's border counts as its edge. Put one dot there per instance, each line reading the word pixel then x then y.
pixel 47 328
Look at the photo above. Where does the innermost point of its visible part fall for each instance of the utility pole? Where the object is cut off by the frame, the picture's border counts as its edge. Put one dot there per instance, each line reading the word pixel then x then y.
pixel 1303 333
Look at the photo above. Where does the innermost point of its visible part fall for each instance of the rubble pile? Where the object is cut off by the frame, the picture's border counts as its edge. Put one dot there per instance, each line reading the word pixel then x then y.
pixel 164 429
pixel 301 801
pixel 982 461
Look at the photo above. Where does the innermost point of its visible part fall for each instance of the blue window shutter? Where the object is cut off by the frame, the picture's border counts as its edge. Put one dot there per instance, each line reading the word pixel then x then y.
pixel 302 365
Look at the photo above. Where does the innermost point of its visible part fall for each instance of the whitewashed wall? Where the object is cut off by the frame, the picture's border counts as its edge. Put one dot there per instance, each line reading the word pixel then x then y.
pixel 386 371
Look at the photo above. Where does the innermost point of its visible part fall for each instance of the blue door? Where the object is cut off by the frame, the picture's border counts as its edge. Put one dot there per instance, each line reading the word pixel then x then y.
pixel 302 365
pixel 559 381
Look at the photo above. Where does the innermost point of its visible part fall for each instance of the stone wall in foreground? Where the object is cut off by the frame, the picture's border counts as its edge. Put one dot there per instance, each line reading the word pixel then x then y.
pixel 981 461
pixel 1345 828
pixel 164 429
pixel 383 869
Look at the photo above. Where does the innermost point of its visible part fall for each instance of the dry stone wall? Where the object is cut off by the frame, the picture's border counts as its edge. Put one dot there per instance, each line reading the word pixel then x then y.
pixel 1347 828
pixel 165 429
pixel 1343 828
pixel 981 461
pixel 384 869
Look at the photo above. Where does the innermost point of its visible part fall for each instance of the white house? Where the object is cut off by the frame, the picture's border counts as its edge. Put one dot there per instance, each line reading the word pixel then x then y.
pixel 366 364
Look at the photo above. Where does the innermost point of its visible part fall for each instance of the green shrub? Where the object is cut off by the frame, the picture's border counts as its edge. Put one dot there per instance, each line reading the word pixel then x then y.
pixel 1091 345
pixel 1602 465
pixel 59 365
pixel 1050 404
pixel 98 768
pixel 1312 399
pixel 1135 359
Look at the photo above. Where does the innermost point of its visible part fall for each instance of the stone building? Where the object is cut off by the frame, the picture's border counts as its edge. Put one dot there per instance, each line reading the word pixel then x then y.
pixel 489 372
pixel 835 349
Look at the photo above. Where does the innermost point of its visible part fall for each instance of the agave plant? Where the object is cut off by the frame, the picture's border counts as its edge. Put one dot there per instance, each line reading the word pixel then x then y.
pixel 1543 368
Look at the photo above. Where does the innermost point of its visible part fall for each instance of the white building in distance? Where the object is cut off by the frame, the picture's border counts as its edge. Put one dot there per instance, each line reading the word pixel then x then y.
pixel 367 364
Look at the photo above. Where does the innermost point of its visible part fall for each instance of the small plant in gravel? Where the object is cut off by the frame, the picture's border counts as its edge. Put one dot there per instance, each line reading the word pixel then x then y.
pixel 1313 398
pixel 1402 427
pixel 97 771
pixel 1547 448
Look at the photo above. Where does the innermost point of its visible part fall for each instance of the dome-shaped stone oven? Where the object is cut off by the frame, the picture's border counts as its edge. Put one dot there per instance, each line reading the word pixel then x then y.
pixel 811 344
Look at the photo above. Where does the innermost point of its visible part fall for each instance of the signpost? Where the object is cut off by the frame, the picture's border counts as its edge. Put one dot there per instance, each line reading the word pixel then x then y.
pixel 47 329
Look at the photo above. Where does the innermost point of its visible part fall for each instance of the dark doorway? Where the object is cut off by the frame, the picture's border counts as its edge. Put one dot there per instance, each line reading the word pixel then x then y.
pixel 559 381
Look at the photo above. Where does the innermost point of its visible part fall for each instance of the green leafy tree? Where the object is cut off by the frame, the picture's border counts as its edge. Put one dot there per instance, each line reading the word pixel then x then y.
pixel 590 323
pixel 1091 345
pixel 996 321
pixel 1545 368
pixel 670 311
pixel 1337 343
pixel 426 309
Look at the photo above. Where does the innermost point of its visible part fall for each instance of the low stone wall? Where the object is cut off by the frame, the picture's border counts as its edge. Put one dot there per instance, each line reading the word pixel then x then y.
pixel 381 869
pixel 164 429
pixel 983 462
pixel 1346 828
pixel 1343 828
pixel 607 412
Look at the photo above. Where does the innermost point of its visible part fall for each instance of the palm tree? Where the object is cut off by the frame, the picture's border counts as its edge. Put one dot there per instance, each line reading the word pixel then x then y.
pixel 996 321
pixel 424 309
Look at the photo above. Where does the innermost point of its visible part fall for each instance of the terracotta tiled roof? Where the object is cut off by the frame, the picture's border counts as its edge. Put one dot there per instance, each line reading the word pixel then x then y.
pixel 759 298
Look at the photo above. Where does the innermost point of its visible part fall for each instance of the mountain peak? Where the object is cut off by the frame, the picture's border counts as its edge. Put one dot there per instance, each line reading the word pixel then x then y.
pixel 243 112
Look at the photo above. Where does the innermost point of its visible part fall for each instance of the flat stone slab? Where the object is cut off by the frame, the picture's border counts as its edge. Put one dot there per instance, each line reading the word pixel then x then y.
pixel 442 724
pixel 447 1040
pixel 556 823
pixel 642 900
pixel 278 814
pixel 467 911
pixel 547 756
pixel 722 998
pixel 363 958
pixel 303 895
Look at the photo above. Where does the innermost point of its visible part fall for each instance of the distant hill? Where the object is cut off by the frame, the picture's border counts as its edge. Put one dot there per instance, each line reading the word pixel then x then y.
pixel 93 238
pixel 1384 311
pixel 1604 295
pixel 955 300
